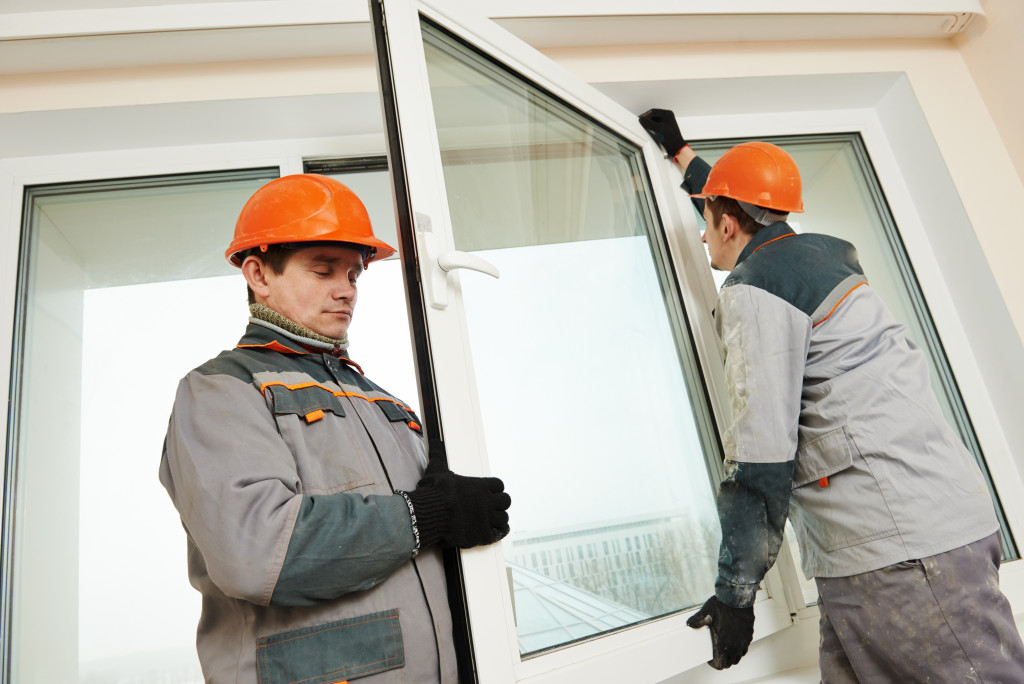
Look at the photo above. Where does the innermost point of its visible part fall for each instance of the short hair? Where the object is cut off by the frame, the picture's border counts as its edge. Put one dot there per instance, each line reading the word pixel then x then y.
pixel 719 205
pixel 277 255
pixel 275 258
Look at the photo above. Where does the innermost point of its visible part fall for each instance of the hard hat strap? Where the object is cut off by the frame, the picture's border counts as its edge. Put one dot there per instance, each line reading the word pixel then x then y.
pixel 764 216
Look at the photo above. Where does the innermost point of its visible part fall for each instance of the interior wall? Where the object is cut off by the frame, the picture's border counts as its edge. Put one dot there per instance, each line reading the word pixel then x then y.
pixel 994 54
pixel 967 137
pixel 979 152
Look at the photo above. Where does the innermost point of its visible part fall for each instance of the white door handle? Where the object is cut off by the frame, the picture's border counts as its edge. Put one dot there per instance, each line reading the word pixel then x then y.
pixel 452 260
pixel 438 266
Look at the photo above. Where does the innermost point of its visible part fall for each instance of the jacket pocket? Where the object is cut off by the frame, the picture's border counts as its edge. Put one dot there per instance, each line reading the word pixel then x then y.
pixel 848 507
pixel 324 442
pixel 821 457
pixel 309 403
pixel 333 652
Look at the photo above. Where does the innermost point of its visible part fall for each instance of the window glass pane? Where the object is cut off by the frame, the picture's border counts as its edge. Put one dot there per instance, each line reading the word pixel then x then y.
pixel 100 591
pixel 842 198
pixel 593 409
pixel 125 290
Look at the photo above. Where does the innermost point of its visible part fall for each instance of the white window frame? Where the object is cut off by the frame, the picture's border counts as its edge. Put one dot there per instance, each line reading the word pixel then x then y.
pixel 665 646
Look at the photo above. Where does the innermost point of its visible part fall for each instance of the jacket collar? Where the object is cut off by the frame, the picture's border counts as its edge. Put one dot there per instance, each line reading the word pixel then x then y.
pixel 262 335
pixel 769 233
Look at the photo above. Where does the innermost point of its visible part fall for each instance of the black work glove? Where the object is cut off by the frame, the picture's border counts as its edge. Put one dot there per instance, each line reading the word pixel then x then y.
pixel 731 631
pixel 458 511
pixel 661 125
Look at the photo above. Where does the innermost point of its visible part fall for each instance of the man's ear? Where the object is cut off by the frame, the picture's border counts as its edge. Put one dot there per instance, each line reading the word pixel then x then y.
pixel 255 273
pixel 730 227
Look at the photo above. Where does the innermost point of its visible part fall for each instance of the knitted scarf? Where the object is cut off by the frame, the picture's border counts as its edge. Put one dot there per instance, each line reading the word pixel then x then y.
pixel 260 312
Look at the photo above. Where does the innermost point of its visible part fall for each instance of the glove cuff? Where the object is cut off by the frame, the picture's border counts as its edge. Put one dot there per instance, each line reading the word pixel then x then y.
pixel 429 513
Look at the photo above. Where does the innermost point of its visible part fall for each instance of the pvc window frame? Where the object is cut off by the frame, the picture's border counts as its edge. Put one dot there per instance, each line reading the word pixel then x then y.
pixel 664 645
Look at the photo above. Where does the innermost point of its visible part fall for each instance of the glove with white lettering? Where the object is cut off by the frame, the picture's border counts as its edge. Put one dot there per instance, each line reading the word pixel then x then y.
pixel 456 510
pixel 661 125
pixel 732 629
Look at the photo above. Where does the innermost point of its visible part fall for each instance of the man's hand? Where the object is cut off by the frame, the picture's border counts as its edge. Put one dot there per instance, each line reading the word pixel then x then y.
pixel 459 511
pixel 661 125
pixel 732 629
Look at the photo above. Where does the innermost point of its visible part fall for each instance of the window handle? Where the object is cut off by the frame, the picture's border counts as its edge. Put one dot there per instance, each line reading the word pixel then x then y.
pixel 439 265
pixel 452 260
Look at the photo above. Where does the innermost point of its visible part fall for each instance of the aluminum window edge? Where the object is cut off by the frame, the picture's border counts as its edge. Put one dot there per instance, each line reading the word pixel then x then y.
pixel 12 196
pixel 11 192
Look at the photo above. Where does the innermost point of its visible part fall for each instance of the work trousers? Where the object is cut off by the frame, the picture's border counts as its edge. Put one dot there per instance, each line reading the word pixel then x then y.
pixel 940 619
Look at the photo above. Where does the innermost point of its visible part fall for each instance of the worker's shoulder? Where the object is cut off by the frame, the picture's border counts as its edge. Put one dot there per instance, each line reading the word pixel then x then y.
pixel 237 363
pixel 802 269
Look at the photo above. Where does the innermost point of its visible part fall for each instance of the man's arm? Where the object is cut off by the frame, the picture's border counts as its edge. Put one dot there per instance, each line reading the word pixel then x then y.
pixel 766 342
pixel 234 482
pixel 753 503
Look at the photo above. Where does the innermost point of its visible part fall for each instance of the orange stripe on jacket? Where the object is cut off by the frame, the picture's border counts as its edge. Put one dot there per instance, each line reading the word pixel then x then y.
pixel 773 240
pixel 838 303
pixel 304 385
pixel 273 346
pixel 278 347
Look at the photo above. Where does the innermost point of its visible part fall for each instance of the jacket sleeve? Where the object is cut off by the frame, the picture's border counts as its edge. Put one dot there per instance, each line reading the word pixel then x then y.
pixel 694 178
pixel 234 482
pixel 766 342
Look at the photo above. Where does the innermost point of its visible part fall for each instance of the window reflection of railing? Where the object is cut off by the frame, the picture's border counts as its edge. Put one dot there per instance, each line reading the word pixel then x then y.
pixel 573 583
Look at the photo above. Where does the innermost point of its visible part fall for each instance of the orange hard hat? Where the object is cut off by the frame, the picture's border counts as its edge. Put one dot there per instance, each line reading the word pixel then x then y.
pixel 304 207
pixel 756 173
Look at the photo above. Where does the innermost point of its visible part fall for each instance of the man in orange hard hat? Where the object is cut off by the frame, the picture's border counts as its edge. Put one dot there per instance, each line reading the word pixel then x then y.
pixel 835 425
pixel 314 520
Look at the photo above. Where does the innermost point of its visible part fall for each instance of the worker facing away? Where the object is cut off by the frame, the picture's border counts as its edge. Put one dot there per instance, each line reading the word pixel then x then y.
pixel 836 427
pixel 314 520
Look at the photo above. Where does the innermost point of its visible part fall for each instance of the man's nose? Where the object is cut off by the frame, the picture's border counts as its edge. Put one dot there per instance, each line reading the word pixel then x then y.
pixel 344 290
pixel 703 237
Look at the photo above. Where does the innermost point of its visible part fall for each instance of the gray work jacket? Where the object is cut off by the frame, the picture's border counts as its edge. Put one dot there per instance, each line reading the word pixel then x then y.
pixel 834 414
pixel 282 461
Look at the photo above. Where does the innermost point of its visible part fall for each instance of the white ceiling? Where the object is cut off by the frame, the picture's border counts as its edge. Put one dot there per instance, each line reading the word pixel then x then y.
pixel 18 6
pixel 62 35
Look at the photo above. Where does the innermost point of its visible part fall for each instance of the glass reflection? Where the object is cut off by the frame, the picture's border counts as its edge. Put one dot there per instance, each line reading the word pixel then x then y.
pixel 585 402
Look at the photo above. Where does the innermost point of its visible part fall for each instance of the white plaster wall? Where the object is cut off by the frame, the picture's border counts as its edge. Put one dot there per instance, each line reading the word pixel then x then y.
pixel 994 54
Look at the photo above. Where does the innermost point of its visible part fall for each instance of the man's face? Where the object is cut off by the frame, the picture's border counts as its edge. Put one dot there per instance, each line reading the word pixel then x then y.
pixel 317 288
pixel 712 237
